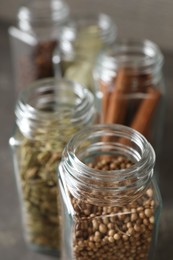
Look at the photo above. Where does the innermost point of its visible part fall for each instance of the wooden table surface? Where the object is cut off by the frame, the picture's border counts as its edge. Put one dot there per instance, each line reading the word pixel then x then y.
pixel 12 245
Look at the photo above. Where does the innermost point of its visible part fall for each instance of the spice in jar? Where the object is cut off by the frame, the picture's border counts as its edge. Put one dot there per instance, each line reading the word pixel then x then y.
pixel 48 113
pixel 80 41
pixel 42 57
pixel 39 159
pixel 34 39
pixel 110 203
pixel 130 88
pixel 116 101
pixel 101 231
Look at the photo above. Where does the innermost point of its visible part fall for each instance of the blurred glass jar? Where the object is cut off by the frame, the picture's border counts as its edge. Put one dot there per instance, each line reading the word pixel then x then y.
pixel 81 40
pixel 130 88
pixel 34 39
pixel 110 200
pixel 48 113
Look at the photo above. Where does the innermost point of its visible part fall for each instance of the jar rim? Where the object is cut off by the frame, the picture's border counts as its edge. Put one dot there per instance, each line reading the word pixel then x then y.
pixel 54 99
pixel 82 179
pixel 31 13
pixel 128 133
pixel 107 28
pixel 130 52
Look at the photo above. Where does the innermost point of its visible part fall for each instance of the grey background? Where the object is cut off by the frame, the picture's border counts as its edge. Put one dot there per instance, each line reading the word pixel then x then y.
pixel 151 19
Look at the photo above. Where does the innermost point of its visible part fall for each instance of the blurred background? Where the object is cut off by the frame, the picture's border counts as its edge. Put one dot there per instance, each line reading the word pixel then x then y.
pixel 152 19
pixel 143 19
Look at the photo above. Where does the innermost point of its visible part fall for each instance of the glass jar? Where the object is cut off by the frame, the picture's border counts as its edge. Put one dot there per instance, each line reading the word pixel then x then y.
pixel 110 200
pixel 130 88
pixel 81 40
pixel 48 113
pixel 34 38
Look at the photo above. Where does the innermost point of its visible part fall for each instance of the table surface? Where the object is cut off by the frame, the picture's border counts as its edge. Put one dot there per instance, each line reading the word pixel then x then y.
pixel 12 245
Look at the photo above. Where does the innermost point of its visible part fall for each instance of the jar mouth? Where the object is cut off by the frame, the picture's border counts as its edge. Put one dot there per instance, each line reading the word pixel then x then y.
pixel 40 13
pixel 90 144
pixel 53 100
pixel 100 25
pixel 129 135
pixel 141 56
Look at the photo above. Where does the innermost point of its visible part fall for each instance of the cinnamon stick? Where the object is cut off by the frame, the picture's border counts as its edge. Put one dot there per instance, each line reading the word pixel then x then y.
pixel 144 115
pixel 138 85
pixel 105 100
pixel 117 101
pixel 114 104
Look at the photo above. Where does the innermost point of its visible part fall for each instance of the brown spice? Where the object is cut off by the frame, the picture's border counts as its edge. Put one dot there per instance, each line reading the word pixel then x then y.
pixel 144 115
pixel 112 232
pixel 121 103
pixel 117 103
pixel 105 100
pixel 42 58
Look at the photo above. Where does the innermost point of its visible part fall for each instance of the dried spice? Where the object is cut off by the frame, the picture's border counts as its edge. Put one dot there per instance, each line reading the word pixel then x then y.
pixel 39 158
pixel 130 99
pixel 37 64
pixel 113 232
pixel 42 59
pixel 34 38
pixel 85 48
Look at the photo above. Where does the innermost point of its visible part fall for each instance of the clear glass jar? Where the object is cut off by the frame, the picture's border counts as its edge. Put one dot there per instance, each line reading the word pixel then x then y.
pixel 34 38
pixel 81 40
pixel 48 113
pixel 110 200
pixel 130 88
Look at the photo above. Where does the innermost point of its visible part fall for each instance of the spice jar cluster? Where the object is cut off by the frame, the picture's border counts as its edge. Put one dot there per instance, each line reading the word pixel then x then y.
pixel 81 148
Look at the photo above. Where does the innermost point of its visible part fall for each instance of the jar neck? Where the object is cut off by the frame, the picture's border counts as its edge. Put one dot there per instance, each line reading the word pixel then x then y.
pixel 37 14
pixel 48 105
pixel 115 187
pixel 140 59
